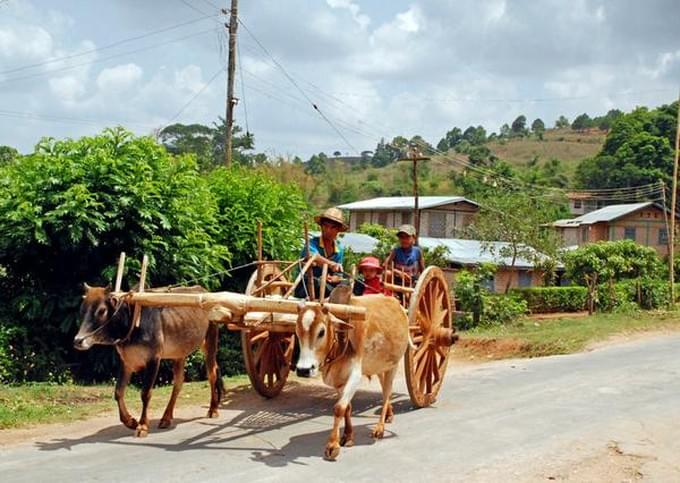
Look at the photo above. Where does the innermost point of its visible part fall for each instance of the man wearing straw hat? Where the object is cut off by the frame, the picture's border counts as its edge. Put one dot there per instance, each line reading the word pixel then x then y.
pixel 329 251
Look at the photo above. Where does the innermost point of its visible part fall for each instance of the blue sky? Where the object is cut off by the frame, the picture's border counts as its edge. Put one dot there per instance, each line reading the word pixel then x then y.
pixel 374 68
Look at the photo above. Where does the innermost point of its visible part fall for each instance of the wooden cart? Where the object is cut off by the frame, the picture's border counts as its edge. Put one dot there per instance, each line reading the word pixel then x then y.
pixel 266 315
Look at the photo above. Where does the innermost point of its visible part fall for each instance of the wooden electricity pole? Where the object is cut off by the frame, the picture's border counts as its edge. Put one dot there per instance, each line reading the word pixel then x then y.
pixel 674 193
pixel 414 156
pixel 231 67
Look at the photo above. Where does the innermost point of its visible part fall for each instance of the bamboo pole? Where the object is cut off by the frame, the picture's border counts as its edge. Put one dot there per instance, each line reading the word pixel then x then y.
pixel 274 280
pixel 238 304
pixel 119 273
pixel 322 282
pixel 258 278
pixel 137 314
pixel 298 279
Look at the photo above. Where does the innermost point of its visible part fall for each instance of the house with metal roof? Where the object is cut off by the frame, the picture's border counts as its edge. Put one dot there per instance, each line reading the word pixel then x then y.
pixel 440 216
pixel 468 254
pixel 645 223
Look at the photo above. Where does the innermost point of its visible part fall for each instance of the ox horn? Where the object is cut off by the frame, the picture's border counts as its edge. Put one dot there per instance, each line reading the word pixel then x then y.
pixel 86 287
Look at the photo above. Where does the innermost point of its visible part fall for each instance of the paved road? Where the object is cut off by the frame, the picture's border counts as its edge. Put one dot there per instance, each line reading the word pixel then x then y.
pixel 605 415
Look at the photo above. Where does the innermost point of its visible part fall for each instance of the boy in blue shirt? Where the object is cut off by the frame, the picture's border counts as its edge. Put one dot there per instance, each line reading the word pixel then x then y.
pixel 407 257
pixel 328 247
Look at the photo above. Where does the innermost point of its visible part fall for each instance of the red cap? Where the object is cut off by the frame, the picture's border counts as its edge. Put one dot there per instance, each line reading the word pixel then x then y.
pixel 370 262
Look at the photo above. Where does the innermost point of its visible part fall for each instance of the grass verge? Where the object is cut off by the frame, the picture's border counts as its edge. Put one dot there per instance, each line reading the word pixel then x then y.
pixel 39 403
pixel 529 338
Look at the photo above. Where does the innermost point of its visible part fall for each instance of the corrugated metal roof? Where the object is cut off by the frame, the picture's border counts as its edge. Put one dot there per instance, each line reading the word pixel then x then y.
pixel 358 242
pixel 461 252
pixel 404 202
pixel 608 213
pixel 474 252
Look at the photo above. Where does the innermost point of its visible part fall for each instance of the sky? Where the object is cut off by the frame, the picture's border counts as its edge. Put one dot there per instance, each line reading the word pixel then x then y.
pixel 375 69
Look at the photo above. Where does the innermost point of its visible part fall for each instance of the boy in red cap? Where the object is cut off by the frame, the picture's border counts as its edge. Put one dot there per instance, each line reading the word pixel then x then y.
pixel 370 282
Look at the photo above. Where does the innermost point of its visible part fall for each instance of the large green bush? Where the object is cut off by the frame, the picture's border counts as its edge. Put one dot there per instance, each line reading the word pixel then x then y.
pixel 643 293
pixel 554 299
pixel 70 208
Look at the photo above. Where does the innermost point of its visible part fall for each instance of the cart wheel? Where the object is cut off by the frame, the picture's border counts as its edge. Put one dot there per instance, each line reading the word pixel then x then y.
pixel 268 273
pixel 267 355
pixel 429 317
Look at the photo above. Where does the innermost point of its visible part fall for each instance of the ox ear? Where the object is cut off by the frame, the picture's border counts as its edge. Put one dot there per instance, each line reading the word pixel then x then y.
pixel 115 301
pixel 341 324
pixel 107 289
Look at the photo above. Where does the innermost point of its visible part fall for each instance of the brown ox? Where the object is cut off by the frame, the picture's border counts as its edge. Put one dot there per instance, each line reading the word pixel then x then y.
pixel 163 333
pixel 343 353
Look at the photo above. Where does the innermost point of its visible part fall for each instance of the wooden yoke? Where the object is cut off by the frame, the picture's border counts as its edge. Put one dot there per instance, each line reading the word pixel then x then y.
pixel 137 314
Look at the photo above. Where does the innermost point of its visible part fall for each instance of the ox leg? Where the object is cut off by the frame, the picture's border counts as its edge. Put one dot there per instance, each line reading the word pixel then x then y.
pixel 340 411
pixel 386 380
pixel 177 381
pixel 347 439
pixel 150 373
pixel 216 385
pixel 121 384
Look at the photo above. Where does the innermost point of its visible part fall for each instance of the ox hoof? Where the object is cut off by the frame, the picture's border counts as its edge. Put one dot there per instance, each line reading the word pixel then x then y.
pixel 378 432
pixel 142 431
pixel 164 423
pixel 131 423
pixel 213 413
pixel 332 451
pixel 347 440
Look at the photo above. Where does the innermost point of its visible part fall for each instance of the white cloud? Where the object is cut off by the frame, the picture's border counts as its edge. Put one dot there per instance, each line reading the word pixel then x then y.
pixel 67 88
pixel 362 19
pixel 119 77
pixel 24 43
pixel 410 20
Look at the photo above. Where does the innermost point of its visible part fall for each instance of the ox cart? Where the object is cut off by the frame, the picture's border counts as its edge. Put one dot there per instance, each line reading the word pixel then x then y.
pixel 266 317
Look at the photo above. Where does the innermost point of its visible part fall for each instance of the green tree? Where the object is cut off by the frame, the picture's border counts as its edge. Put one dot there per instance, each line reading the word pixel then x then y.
pixel 8 154
pixel 67 211
pixel 562 122
pixel 582 122
pixel 538 128
pixel 516 218
pixel 317 165
pixel 519 126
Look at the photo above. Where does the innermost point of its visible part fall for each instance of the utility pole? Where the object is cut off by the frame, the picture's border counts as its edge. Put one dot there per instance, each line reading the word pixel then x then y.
pixel 231 67
pixel 674 193
pixel 414 156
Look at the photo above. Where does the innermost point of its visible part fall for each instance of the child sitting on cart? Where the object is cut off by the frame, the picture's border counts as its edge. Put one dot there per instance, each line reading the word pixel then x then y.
pixel 407 257
pixel 369 282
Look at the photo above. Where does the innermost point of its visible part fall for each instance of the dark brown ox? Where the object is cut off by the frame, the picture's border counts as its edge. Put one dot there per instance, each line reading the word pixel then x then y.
pixel 163 333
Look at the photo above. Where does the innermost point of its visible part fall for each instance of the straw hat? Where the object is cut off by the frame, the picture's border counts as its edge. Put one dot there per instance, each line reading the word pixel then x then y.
pixel 407 230
pixel 370 262
pixel 332 214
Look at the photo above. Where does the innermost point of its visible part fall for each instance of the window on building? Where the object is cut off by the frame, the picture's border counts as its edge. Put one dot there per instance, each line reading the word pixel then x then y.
pixel 437 225
pixel 360 217
pixel 382 218
pixel 489 284
pixel 525 279
pixel 584 234
pixel 663 236
pixel 629 233
pixel 577 204
pixel 406 217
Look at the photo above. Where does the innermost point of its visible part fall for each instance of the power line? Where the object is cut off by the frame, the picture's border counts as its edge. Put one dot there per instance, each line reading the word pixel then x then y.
pixel 63 119
pixel 194 97
pixel 295 84
pixel 243 86
pixel 104 59
pixel 105 47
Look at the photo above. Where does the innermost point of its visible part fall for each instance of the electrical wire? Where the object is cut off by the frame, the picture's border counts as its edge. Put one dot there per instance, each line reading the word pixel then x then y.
pixel 104 47
pixel 194 97
pixel 104 59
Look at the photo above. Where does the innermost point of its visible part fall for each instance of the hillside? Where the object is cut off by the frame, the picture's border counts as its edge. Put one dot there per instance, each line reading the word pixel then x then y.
pixel 567 145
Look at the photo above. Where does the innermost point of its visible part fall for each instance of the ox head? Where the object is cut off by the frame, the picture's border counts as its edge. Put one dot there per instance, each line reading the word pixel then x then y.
pixel 102 322
pixel 314 331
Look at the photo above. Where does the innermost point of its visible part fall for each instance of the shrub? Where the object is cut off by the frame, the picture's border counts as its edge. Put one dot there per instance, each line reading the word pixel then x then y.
pixel 554 299
pixel 501 309
pixel 645 293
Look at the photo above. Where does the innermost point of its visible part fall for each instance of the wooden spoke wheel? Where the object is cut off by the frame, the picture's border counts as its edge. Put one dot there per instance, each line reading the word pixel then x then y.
pixel 429 316
pixel 267 355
